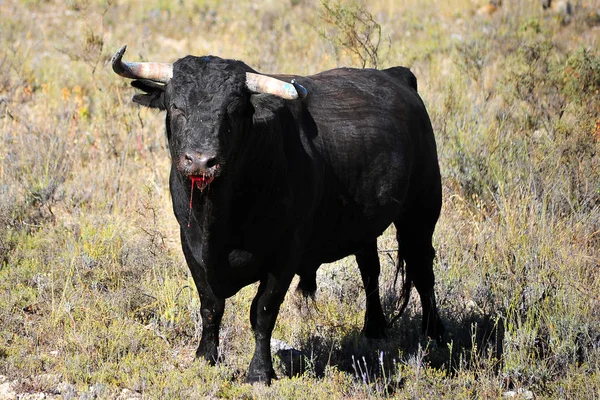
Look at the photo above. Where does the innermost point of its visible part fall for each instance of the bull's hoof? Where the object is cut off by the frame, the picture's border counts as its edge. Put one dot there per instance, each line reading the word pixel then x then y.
pixel 375 326
pixel 434 329
pixel 208 353
pixel 374 331
pixel 257 376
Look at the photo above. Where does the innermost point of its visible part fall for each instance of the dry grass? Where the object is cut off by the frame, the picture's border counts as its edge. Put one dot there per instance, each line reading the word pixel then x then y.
pixel 96 300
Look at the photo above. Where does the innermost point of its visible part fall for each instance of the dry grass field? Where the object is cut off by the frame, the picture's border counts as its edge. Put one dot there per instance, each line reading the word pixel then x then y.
pixel 96 300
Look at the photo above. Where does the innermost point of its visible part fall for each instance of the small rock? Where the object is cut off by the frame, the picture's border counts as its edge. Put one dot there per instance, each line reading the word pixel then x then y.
pixel 6 391
pixel 94 392
pixel 457 38
pixel 277 345
pixel 519 394
pixel 540 134
pixel 32 396
pixel 293 362
pixel 127 394
pixel 66 390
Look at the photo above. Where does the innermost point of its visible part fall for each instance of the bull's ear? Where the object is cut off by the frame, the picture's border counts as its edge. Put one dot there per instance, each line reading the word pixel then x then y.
pixel 266 107
pixel 154 96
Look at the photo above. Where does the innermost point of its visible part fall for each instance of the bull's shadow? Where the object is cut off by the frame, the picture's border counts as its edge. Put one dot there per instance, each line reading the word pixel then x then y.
pixel 469 338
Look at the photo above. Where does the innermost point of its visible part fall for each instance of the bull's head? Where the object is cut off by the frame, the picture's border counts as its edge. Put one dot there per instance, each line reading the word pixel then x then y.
pixel 206 99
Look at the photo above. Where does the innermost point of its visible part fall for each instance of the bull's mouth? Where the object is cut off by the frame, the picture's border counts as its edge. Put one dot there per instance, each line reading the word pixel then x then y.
pixel 201 181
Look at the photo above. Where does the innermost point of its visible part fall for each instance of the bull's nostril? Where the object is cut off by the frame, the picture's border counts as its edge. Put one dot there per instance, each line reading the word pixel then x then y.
pixel 211 162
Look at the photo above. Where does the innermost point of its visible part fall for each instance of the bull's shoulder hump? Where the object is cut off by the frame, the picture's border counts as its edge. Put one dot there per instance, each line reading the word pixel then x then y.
pixel 404 75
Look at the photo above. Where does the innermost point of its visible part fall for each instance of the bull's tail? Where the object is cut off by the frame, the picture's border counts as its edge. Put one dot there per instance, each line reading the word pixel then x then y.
pixel 307 285
pixel 402 301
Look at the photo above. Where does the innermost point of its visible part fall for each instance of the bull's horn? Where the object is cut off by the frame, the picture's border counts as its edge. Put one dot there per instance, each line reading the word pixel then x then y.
pixel 158 72
pixel 265 84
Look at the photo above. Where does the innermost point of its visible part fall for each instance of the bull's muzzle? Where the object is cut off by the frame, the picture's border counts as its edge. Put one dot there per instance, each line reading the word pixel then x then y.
pixel 194 163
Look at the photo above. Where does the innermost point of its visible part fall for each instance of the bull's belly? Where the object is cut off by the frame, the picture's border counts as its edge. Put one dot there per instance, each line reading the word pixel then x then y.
pixel 341 237
pixel 333 252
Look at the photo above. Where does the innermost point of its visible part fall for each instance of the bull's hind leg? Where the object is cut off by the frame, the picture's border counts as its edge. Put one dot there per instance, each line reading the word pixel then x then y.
pixel 211 310
pixel 368 263
pixel 414 242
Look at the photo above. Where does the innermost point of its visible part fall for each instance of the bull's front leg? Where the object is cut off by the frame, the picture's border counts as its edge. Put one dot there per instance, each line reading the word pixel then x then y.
pixel 211 310
pixel 263 314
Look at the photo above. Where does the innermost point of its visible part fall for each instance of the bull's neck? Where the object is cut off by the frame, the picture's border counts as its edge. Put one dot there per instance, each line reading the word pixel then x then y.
pixel 257 159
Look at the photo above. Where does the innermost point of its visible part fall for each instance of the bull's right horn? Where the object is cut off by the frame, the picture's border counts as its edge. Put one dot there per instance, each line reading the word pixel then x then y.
pixel 158 72
pixel 258 83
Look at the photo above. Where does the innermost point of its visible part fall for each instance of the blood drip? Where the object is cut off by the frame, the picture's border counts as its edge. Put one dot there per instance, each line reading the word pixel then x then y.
pixel 191 197
pixel 200 182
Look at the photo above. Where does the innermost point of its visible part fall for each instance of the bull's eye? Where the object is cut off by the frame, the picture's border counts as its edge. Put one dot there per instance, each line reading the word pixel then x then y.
pixel 177 115
pixel 174 109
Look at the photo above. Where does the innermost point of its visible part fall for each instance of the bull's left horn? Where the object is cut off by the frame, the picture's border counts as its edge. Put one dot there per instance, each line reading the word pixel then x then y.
pixel 265 84
pixel 158 72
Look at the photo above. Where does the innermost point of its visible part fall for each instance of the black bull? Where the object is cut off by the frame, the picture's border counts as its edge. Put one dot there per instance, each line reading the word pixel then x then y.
pixel 271 179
